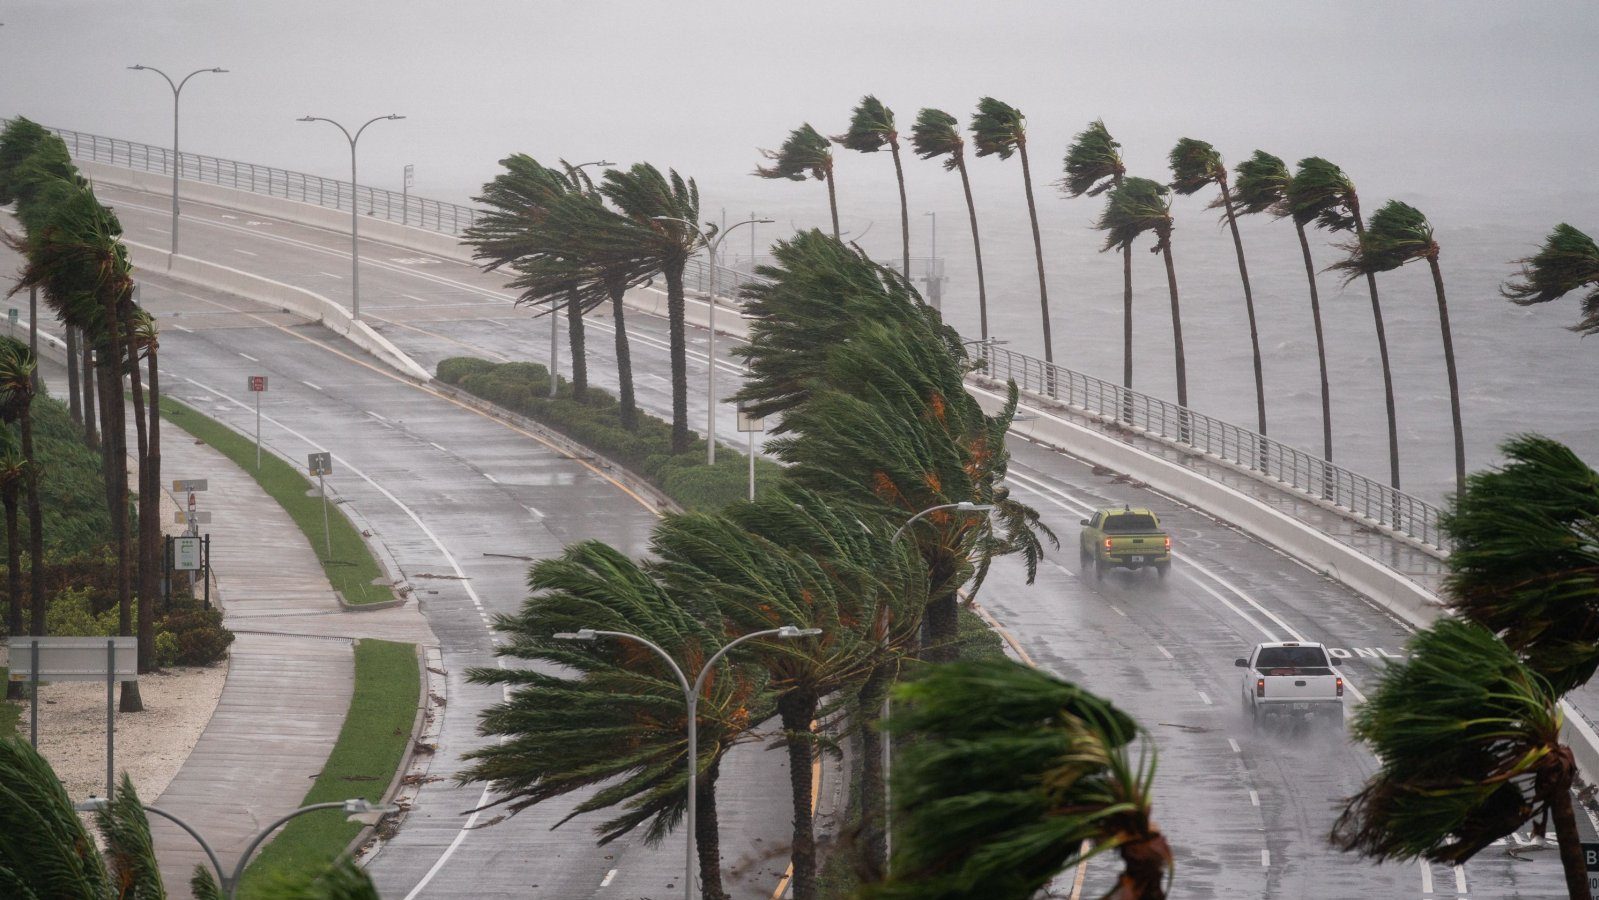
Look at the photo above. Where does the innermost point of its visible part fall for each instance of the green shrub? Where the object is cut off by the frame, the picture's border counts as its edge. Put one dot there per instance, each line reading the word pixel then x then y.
pixel 452 370
pixel 198 636
pixel 166 650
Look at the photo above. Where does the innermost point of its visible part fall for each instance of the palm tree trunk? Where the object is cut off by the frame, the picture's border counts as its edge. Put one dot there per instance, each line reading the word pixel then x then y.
pixel 74 405
pixel 624 360
pixel 1570 840
pixel 90 437
pixel 574 330
pixel 1454 379
pixel 977 251
pixel 874 834
pixel 1177 341
pixel 149 513
pixel 35 528
pixel 1127 329
pixel 708 835
pixel 1249 307
pixel 8 496
pixel 674 317
pixel 832 203
pixel 1387 373
pixel 33 330
pixel 904 210
pixel 1321 346
pixel 797 708
pixel 115 430
pixel 1038 252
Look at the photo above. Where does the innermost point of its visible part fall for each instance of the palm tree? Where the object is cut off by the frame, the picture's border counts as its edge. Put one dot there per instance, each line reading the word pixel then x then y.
pixel 13 473
pixel 1567 261
pixel 1520 564
pixel 1398 234
pixel 1014 776
pixel 17 369
pixel 1195 165
pixel 1094 165
pixel 1321 190
pixel 871 128
pixel 937 134
pixel 1000 129
pixel 805 154
pixel 1137 206
pixel 1468 742
pixel 614 717
pixel 145 339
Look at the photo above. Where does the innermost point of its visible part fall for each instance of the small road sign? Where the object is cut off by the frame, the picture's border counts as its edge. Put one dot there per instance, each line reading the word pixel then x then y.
pixel 189 485
pixel 747 422
pixel 258 383
pixel 320 463
pixel 186 554
pixel 182 517
pixel 11 316
pixel 74 658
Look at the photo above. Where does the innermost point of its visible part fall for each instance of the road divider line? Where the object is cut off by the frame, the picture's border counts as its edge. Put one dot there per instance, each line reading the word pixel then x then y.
pixel 245 252
pixel 1205 697
pixel 249 357
pixel 331 275
pixel 1164 652
pixel 1254 797
pixel 1426 876
pixel 1234 744
pixel 310 385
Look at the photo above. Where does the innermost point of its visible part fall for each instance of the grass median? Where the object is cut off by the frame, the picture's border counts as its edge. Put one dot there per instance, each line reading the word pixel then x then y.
pixel 350 567
pixel 370 747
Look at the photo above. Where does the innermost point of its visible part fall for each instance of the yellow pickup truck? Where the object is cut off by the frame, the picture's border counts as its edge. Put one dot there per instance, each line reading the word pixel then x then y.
pixel 1129 538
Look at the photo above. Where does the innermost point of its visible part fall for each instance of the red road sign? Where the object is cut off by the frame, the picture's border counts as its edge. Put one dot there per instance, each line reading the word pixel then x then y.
pixel 258 383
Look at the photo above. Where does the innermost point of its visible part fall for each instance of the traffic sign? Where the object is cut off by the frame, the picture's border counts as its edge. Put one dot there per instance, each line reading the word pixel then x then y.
pixel 186 554
pixel 747 422
pixel 258 383
pixel 11 315
pixel 320 463
pixel 188 484
pixel 182 517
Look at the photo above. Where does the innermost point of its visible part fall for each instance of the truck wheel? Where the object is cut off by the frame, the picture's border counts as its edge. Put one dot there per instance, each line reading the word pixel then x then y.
pixel 1099 569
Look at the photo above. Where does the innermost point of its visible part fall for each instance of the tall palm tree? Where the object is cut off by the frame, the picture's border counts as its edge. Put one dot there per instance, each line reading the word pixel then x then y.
pixel 937 134
pixel 1468 742
pixel 1195 165
pixel 145 341
pixel 1094 165
pixel 1000 129
pixel 1521 564
pixel 17 369
pixel 13 473
pixel 806 154
pixel 1014 776
pixel 1321 191
pixel 1138 206
pixel 871 128
pixel 1567 261
pixel 1398 234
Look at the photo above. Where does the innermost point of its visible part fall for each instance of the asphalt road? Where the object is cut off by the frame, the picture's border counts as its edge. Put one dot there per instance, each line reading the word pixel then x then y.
pixel 1247 812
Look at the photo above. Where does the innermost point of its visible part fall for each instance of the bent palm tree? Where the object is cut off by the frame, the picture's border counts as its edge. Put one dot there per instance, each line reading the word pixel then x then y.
pixel 1000 129
pixel 804 155
pixel 17 369
pixel 1195 165
pixel 1135 207
pixel 936 134
pixel 1468 742
pixel 13 472
pixel 1094 165
pixel 1013 777
pixel 1399 234
pixel 871 128
pixel 1322 191
pixel 1567 261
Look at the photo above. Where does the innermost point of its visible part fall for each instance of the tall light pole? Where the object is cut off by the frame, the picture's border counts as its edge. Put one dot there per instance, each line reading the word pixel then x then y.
pixel 229 883
pixel 710 382
pixel 691 696
pixel 355 207
pixel 177 89
pixel 555 320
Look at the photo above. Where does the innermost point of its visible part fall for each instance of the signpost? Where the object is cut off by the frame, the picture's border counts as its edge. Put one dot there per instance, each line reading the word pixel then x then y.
pixel 321 464
pixel 77 659
pixel 750 425
pixel 186 553
pixel 11 320
pixel 258 386
pixel 405 192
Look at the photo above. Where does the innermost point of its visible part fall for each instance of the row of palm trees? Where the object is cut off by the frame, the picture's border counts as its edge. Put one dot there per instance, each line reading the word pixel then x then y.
pixel 73 255
pixel 1317 194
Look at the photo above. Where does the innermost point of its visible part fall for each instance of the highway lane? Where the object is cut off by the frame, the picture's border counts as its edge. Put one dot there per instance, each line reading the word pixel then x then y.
pixel 1248 813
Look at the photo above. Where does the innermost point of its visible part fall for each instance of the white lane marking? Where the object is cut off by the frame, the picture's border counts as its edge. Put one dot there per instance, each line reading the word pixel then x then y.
pixel 606 881
pixel 491 478
pixel 1118 611
pixel 374 415
pixel 249 357
pixel 1063 569
pixel 158 230
pixel 331 275
pixel 245 252
pixel 426 300
pixel 184 330
pixel 310 385
pixel 1203 696
pixel 1254 798
pixel 1265 857
pixel 533 510
pixel 1234 744
pixel 1164 652
pixel 1426 876
pixel 1460 880
pixel 439 447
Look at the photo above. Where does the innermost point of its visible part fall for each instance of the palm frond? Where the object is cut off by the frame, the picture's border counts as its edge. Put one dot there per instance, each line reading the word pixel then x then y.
pixel 1398 233
pixel 997 128
pixel 805 154
pixel 1195 165
pixel 1261 183
pixel 129 849
pixel 871 127
pixel 937 134
pixel 1093 162
pixel 1137 206
pixel 1567 261
pixel 1320 192
pixel 44 848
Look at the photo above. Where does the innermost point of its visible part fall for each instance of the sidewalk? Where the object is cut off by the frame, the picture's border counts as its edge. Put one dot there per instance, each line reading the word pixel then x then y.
pixel 291 670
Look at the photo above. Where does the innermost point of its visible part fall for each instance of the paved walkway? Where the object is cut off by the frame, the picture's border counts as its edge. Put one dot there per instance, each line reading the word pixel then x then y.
pixel 291 669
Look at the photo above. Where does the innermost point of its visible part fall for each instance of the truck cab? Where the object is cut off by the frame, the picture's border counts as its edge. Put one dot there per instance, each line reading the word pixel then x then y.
pixel 1291 678
pixel 1129 538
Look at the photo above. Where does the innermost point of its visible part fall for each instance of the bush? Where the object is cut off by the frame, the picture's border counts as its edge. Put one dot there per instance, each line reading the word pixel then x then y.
pixel 166 650
pixel 186 635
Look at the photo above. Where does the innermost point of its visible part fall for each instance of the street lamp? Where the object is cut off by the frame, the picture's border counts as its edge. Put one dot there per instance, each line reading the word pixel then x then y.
pixel 555 320
pixel 710 382
pixel 229 883
pixel 691 695
pixel 177 88
pixel 355 227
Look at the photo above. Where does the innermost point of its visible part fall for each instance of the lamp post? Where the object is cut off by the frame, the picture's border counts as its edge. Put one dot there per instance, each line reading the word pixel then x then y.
pixel 177 88
pixel 555 320
pixel 355 212
pixel 229 883
pixel 691 696
pixel 710 382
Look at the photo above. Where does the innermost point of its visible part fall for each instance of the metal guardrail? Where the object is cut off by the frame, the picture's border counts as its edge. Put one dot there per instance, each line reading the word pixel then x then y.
pixel 1286 467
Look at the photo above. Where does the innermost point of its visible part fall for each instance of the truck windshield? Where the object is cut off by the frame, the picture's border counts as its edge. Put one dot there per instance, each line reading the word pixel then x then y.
pixel 1130 523
pixel 1291 658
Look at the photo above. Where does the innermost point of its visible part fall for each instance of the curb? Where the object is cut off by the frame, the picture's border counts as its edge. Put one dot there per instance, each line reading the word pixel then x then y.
pixel 413 767
pixel 424 712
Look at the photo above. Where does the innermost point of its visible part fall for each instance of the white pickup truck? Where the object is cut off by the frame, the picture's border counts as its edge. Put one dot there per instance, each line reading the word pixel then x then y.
pixel 1292 679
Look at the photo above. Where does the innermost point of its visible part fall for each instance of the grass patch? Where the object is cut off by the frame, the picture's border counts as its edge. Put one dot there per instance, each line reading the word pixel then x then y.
pixel 975 640
pixel 596 423
pixel 350 568
pixel 362 764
